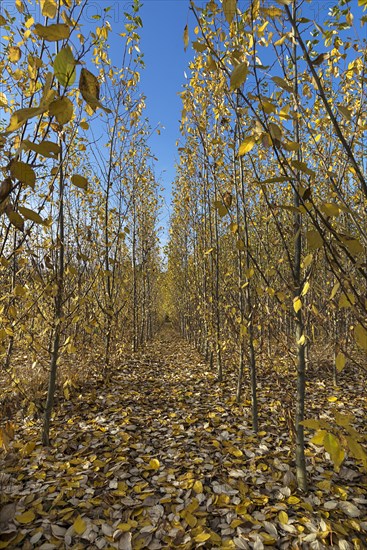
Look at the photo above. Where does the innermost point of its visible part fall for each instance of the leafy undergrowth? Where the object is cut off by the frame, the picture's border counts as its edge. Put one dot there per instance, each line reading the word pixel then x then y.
pixel 162 457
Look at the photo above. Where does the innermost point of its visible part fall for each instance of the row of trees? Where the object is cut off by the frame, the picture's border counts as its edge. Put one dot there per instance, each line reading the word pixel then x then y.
pixel 79 199
pixel 268 235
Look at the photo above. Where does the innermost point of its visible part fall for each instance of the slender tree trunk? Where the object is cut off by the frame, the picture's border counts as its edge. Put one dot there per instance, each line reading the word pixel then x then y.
pixel 9 351
pixel 60 267
pixel 299 324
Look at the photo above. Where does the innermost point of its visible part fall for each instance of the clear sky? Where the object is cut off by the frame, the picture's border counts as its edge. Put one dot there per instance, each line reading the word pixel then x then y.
pixel 163 78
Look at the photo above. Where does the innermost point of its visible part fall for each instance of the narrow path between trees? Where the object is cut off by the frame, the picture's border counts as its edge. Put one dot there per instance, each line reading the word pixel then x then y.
pixel 163 458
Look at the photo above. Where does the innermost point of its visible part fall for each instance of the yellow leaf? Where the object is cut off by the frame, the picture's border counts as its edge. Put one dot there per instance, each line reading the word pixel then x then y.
pixel 79 525
pixel 311 423
pixel 79 181
pixel 272 12
pixel 239 75
pixel 332 446
pixel 14 54
pixel 302 166
pixel 124 527
pixel 49 8
pixel 302 340
pixel 347 113
pixel 28 448
pixel 305 288
pixel 154 464
pixel 229 9
pixel 15 218
pixel 343 419
pixel 186 37
pixel 191 520
pixel 268 106
pixel 275 131
pixel 47 149
pixel 318 438
pixel 283 517
pixel 26 517
pixel 330 209
pixel 291 146
pixel 199 47
pixel 246 146
pixel 30 214
pixel 282 83
pixel 354 246
pixel 297 304
pixel 19 290
pixel 334 290
pixel 21 116
pixel 314 239
pixel 293 500
pixel 52 33
pixel 360 336
pixel 62 109
pixel 356 450
pixel 307 261
pixel 340 361
pixel 281 40
pixel 332 399
pixel 198 487
pixel 23 172
pixel 202 537
pixel 3 100
pixel 235 452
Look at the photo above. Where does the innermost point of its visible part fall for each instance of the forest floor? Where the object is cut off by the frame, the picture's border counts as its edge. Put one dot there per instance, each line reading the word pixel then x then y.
pixel 162 457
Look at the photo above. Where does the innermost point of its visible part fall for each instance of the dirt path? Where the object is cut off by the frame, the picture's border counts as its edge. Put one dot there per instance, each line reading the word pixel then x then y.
pixel 163 458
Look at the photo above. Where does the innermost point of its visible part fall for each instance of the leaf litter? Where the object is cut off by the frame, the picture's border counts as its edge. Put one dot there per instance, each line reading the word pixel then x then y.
pixel 163 457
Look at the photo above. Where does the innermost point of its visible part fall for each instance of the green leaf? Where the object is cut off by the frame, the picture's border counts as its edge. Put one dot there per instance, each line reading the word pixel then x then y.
pixel 23 172
pixel 52 33
pixel 239 75
pixel 64 67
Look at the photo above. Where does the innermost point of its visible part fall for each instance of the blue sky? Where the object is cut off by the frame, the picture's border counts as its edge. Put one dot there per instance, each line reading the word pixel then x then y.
pixel 163 78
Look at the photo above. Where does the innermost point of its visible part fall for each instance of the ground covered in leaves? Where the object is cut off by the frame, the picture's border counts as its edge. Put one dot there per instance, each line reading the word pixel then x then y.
pixel 162 457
